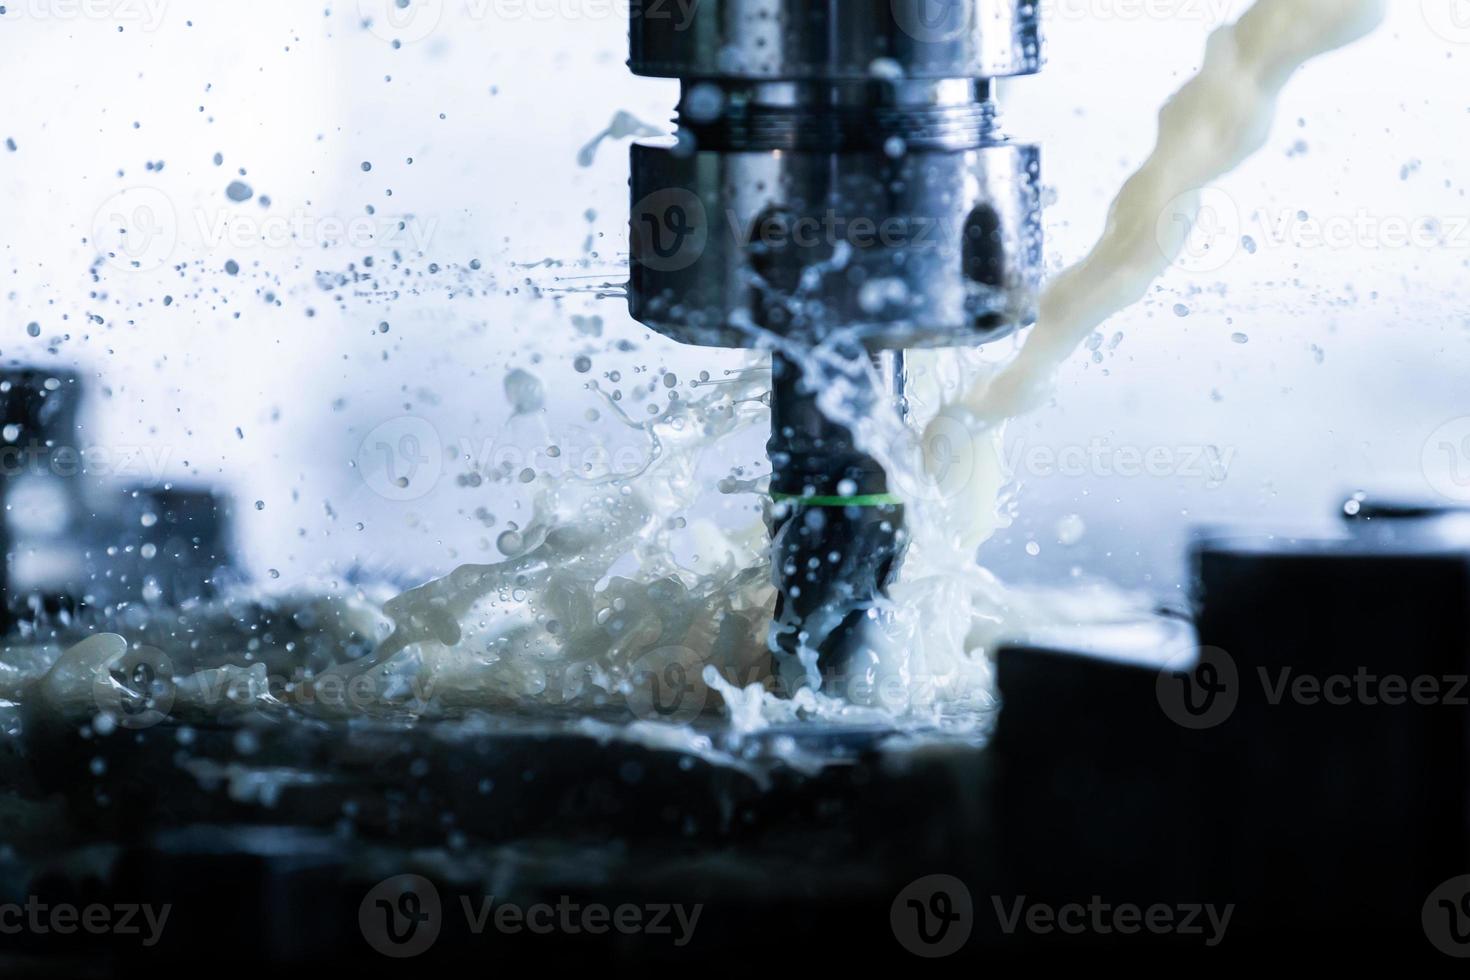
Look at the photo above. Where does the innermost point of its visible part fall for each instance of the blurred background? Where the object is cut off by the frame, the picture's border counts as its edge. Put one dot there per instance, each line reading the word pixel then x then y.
pixel 303 252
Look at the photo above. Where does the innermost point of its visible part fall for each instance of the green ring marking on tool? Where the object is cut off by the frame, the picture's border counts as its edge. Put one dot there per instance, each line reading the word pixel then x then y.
pixel 870 500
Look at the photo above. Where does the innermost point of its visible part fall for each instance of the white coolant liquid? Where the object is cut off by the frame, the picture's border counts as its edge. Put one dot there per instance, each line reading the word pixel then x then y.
pixel 593 610
pixel 1212 125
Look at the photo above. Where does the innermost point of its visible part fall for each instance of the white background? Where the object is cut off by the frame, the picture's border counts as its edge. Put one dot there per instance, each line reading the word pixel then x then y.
pixel 299 95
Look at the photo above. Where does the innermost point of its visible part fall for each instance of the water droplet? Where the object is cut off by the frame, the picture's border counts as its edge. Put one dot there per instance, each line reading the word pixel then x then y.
pixel 524 391
pixel 1071 530
pixel 704 103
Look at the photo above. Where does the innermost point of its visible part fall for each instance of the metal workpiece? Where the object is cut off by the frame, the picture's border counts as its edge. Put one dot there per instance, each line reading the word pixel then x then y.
pixel 41 498
pixel 834 39
pixel 839 189
pixel 172 545
pixel 72 542
pixel 37 404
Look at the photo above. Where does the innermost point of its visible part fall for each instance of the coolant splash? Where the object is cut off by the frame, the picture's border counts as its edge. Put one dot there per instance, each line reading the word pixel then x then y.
pixel 593 597
pixel 592 610
pixel 1211 126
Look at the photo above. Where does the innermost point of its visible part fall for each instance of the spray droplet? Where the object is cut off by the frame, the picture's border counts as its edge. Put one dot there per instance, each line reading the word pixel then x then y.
pixel 524 391
pixel 1071 530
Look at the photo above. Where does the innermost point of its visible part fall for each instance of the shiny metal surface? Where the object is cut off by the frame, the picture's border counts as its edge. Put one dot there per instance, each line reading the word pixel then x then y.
pixel 927 249
pixel 834 39
pixel 839 181
pixel 951 114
